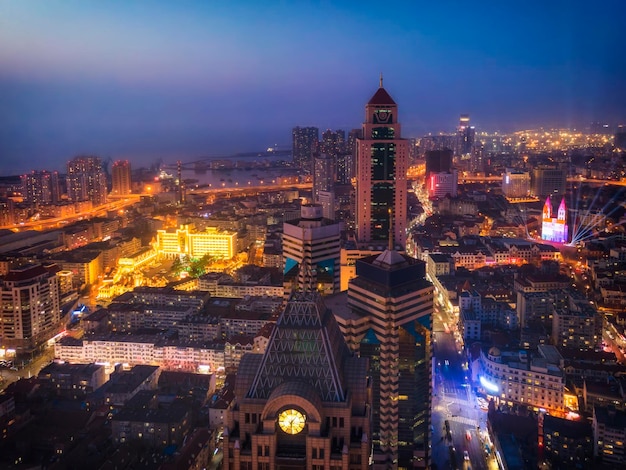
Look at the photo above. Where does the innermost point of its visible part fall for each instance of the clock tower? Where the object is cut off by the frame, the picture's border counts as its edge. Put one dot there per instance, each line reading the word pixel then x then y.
pixel 381 166
pixel 304 403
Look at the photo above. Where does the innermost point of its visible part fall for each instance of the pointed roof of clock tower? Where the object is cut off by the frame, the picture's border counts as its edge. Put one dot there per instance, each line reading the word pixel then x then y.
pixel 306 347
pixel 381 97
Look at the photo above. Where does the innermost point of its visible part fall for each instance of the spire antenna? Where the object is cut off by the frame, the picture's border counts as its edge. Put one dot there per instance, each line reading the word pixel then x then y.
pixel 381 79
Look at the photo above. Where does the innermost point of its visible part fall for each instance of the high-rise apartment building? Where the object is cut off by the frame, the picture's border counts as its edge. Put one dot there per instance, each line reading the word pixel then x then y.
pixel 41 187
pixel 324 182
pixel 333 142
pixel 346 160
pixel 305 145
pixel 86 180
pixel 120 178
pixel 323 174
pixel 311 252
pixel 382 162
pixel 392 302
pixel 30 311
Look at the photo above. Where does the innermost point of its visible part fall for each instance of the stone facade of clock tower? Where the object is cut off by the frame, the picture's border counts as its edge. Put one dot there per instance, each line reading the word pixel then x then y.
pixel 305 402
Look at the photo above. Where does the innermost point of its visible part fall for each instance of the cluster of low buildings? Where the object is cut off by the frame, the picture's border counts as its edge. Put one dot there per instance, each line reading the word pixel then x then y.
pixel 535 341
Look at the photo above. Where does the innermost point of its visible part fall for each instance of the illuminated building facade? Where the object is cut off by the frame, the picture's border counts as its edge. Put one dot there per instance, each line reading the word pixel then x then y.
pixel 346 159
pixel 381 166
pixel 442 184
pixel 516 378
pixel 516 183
pixel 86 180
pixel 554 229
pixel 391 322
pixel 324 183
pixel 304 403
pixel 143 350
pixel 120 178
pixel 185 240
pixel 466 135
pixel 41 187
pixel 311 252
pixel 609 436
pixel 576 324
pixel 29 306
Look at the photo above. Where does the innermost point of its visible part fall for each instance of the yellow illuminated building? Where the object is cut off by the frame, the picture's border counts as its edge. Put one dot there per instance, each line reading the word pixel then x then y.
pixel 187 241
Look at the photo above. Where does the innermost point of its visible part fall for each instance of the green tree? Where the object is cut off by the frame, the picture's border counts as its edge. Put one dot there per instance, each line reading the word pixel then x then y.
pixel 177 266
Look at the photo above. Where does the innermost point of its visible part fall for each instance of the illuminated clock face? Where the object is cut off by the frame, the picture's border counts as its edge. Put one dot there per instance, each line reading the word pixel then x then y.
pixel 291 421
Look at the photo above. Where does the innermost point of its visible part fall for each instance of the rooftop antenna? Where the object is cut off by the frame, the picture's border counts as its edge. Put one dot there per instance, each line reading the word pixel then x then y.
pixel 381 79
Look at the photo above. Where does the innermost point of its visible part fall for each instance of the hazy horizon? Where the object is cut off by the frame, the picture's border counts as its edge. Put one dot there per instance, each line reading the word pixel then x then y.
pixel 162 80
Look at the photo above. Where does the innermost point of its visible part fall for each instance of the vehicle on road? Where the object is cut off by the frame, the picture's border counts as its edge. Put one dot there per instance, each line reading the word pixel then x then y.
pixel 465 455
pixel 468 436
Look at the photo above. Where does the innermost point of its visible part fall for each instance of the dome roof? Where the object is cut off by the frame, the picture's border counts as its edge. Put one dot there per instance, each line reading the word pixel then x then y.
pixel 494 351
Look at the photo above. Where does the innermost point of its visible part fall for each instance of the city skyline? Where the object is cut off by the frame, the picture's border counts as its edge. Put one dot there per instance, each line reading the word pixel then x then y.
pixel 141 82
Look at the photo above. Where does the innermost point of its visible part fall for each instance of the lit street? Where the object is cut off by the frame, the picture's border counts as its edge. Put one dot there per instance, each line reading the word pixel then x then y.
pixel 454 401
pixel 26 371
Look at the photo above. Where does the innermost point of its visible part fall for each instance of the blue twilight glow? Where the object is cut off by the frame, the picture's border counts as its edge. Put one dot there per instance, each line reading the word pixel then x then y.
pixel 161 79
pixel 490 386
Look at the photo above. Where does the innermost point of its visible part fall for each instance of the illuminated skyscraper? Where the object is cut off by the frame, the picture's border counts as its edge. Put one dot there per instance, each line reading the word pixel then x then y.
pixel 41 187
pixel 466 135
pixel 382 161
pixel 305 143
pixel 120 177
pixel 346 160
pixel 392 302
pixel 86 180
pixel 323 174
pixel 324 183
pixel 333 143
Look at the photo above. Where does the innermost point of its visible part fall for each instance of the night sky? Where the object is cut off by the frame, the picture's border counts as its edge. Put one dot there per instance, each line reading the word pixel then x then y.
pixel 179 79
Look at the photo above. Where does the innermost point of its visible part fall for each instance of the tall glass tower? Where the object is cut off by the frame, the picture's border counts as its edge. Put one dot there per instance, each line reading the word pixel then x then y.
pixel 394 301
pixel 381 165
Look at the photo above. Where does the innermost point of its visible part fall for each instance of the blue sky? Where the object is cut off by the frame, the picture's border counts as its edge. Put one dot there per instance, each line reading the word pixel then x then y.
pixel 159 79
